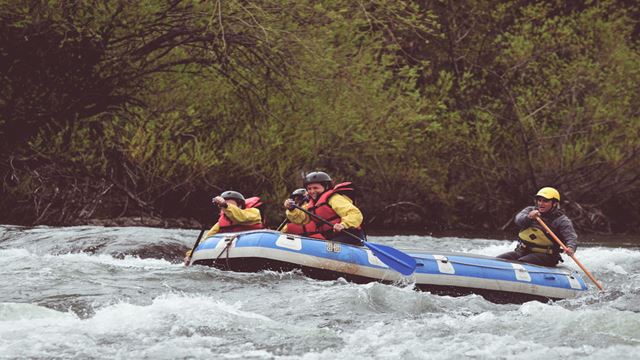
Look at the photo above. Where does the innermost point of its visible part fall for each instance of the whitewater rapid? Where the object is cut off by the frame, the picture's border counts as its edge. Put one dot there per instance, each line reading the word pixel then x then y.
pixel 105 293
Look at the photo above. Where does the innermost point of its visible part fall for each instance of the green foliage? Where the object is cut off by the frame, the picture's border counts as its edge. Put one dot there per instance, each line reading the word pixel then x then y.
pixel 456 111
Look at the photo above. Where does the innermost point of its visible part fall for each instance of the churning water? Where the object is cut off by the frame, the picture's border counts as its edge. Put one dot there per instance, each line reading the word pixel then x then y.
pixel 104 293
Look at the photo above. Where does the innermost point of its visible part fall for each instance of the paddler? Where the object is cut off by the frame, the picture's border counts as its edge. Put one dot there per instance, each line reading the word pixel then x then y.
pixel 300 198
pixel 535 246
pixel 236 214
pixel 331 202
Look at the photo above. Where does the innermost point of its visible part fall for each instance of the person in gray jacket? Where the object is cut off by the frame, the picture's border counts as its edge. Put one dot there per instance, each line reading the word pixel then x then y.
pixel 535 245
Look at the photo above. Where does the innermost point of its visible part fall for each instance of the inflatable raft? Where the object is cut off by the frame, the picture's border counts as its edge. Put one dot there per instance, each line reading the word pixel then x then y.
pixel 442 273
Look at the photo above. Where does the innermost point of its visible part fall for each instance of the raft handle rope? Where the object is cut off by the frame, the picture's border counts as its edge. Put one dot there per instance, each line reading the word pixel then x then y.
pixel 229 241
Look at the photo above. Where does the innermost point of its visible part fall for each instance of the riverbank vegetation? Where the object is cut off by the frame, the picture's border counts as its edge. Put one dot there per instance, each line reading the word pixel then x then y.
pixel 444 114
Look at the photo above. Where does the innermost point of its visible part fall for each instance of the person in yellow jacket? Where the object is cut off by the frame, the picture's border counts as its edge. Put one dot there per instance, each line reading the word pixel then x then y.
pixel 236 214
pixel 331 203
pixel 300 198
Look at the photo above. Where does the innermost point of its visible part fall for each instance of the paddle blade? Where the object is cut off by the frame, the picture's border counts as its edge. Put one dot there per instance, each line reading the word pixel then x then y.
pixel 393 258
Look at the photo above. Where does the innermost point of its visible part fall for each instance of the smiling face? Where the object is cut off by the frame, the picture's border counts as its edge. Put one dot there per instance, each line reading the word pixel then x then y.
pixel 544 205
pixel 314 190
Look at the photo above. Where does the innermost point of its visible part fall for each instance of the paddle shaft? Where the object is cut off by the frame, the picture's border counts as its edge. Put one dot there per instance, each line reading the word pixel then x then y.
pixel 195 246
pixel 564 247
pixel 282 224
pixel 326 222
pixel 393 258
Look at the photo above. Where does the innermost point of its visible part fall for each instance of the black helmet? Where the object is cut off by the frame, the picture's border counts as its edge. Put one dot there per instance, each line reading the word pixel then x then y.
pixel 318 177
pixel 233 195
pixel 299 192
pixel 299 196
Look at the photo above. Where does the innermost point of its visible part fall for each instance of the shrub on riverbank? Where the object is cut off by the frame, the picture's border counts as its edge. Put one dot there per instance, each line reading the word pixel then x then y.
pixel 123 109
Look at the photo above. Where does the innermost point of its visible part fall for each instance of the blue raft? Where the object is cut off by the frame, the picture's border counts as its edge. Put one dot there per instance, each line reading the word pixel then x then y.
pixel 443 273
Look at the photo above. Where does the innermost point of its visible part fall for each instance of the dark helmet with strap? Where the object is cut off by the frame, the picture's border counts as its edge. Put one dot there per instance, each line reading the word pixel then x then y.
pixel 298 192
pixel 234 195
pixel 318 177
pixel 299 196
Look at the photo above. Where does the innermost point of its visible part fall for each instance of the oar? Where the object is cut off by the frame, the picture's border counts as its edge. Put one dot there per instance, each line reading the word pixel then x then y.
pixel 564 247
pixel 195 246
pixel 282 224
pixel 395 259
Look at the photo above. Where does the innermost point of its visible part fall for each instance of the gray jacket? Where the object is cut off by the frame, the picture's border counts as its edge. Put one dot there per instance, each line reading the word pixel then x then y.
pixel 556 220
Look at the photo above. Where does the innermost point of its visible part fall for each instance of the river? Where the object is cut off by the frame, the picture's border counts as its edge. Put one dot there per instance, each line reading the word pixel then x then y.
pixel 122 293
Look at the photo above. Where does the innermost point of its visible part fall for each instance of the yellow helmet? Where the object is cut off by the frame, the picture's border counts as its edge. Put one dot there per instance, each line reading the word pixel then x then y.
pixel 549 193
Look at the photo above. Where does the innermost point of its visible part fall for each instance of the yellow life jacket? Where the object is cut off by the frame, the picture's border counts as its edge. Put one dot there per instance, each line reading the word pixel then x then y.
pixel 536 240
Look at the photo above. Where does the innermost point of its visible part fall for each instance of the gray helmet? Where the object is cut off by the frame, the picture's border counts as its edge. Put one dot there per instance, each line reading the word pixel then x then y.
pixel 318 177
pixel 299 196
pixel 299 192
pixel 233 195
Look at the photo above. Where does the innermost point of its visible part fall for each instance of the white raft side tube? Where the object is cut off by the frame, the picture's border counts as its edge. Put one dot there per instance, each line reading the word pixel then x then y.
pixel 493 284
pixel 224 238
pixel 217 250
pixel 384 274
pixel 573 278
pixel 294 242
pixel 390 275
pixel 560 270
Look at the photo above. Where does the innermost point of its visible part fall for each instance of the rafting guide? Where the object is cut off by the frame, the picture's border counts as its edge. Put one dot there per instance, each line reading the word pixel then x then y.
pixel 535 245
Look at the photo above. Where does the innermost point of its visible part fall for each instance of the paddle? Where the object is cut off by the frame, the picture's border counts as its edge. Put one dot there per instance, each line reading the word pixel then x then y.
pixel 564 247
pixel 195 246
pixel 395 259
pixel 299 196
pixel 282 224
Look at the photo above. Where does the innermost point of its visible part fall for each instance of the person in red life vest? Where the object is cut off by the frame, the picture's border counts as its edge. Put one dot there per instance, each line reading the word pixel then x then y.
pixel 300 198
pixel 236 214
pixel 331 203
pixel 535 245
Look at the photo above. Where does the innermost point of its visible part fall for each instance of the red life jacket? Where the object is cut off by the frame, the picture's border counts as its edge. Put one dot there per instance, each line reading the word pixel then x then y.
pixel 226 225
pixel 316 228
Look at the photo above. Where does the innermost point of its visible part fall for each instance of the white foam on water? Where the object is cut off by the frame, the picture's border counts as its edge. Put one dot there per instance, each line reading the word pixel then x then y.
pixel 127 262
pixel 287 316
pixel 14 256
pixel 172 326
pixel 489 335
pixel 20 311
pixel 615 260
pixel 18 257
pixel 464 329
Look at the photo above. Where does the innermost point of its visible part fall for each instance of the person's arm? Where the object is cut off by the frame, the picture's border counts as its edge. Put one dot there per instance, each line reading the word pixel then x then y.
pixel 214 230
pixel 294 215
pixel 350 215
pixel 242 216
pixel 522 218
